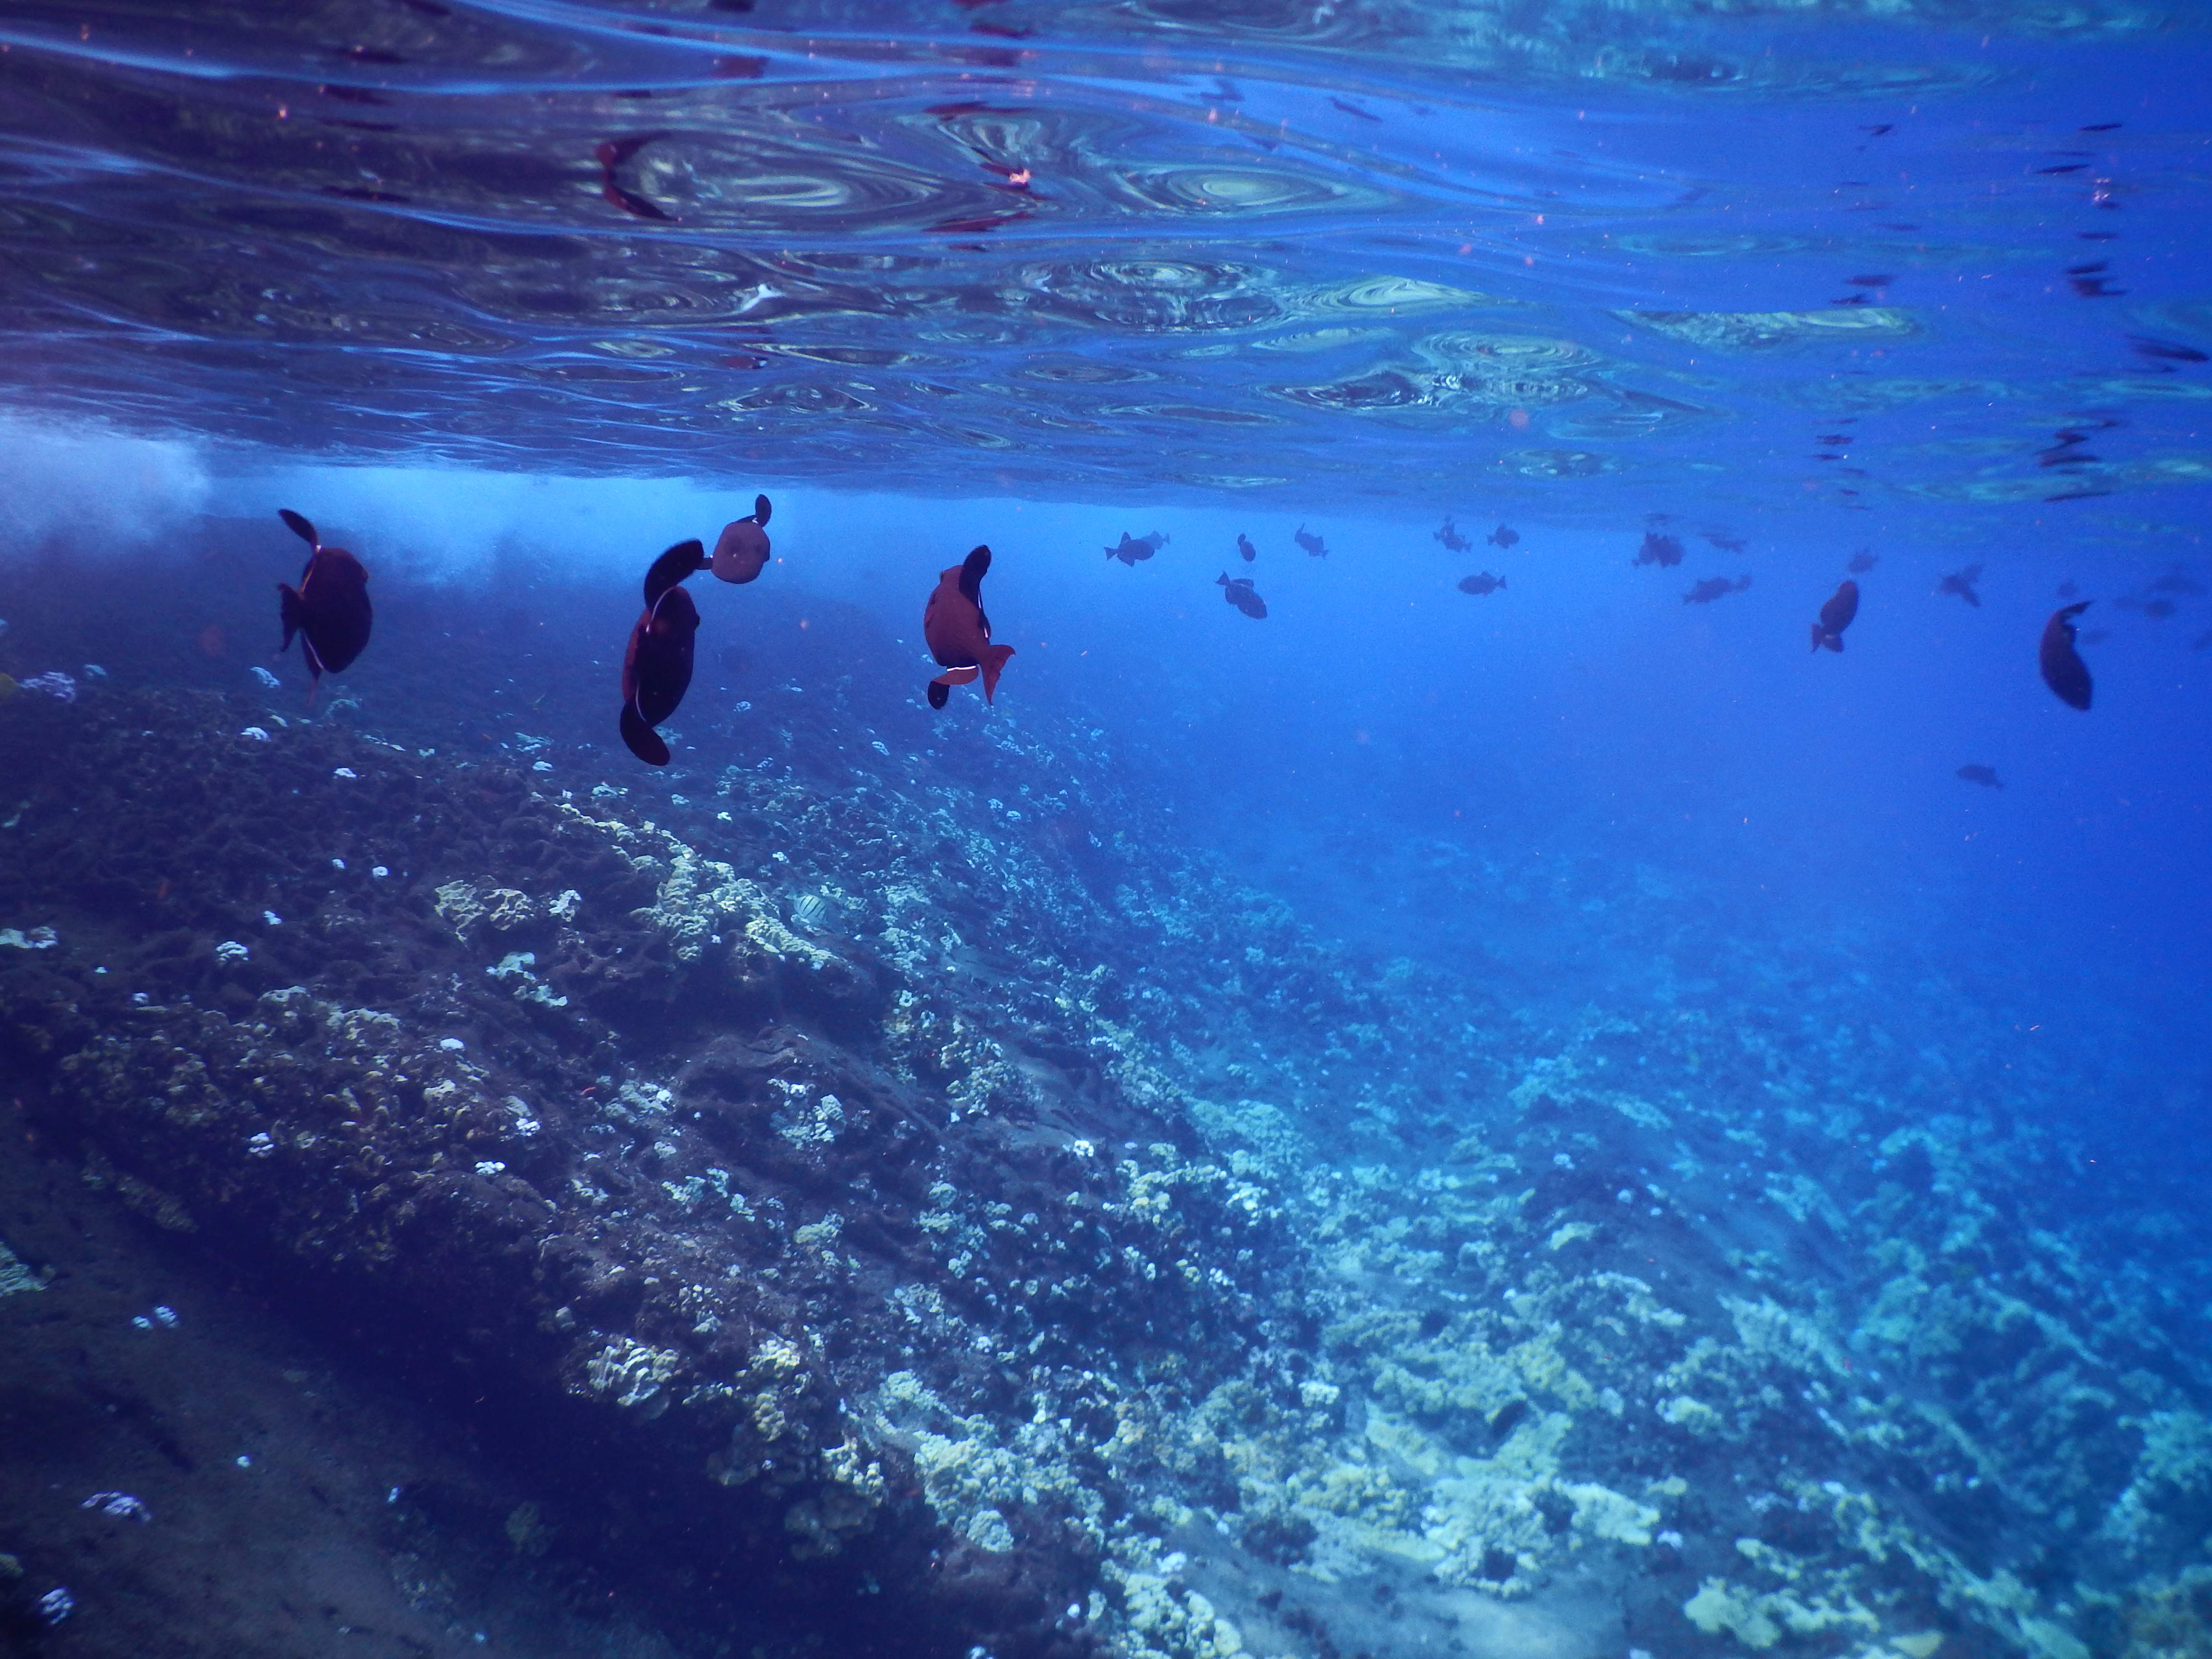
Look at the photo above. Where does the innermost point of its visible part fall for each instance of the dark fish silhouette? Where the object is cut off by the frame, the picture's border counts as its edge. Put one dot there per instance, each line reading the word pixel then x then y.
pixel 1961 582
pixel 1665 551
pixel 1239 594
pixel 1134 548
pixel 1715 587
pixel 2066 589
pixel 1723 540
pixel 2202 642
pixel 657 666
pixel 1480 584
pixel 1312 544
pixel 1244 546
pixel 1862 561
pixel 957 631
pixel 742 549
pixel 1502 536
pixel 2156 610
pixel 2166 350
pixel 330 609
pixel 1448 533
pixel 2063 671
pixel 1836 616
pixel 1985 776
pixel 2176 581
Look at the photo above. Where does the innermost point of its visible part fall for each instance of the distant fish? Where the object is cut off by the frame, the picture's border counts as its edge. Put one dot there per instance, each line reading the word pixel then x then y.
pixel 959 633
pixel 1863 560
pixel 1244 546
pixel 1961 582
pixel 1836 616
pixel 2166 350
pixel 2063 671
pixel 742 549
pixel 657 666
pixel 1984 776
pixel 330 609
pixel 1312 544
pixel 1481 584
pixel 1448 533
pixel 1715 587
pixel 2156 610
pixel 1135 548
pixel 2202 642
pixel 2177 581
pixel 1665 551
pixel 1239 594
pixel 1723 540
pixel 2066 589
pixel 1504 537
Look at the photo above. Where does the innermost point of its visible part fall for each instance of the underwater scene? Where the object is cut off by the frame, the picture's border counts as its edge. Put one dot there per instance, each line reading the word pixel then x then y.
pixel 1106 828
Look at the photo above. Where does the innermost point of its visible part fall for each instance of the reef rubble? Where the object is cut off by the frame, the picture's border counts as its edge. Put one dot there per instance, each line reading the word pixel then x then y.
pixel 926 1224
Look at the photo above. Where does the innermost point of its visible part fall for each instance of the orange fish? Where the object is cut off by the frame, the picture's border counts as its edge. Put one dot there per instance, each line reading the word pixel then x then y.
pixel 957 631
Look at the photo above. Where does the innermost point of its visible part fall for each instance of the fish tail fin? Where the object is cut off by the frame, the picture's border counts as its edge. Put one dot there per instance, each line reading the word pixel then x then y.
pixel 1222 580
pixel 671 567
pixel 762 508
pixel 300 525
pixel 288 611
pixel 994 660
pixel 1501 583
pixel 640 739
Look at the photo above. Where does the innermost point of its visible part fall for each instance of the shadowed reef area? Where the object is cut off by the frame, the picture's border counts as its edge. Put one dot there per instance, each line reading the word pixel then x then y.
pixel 876 1198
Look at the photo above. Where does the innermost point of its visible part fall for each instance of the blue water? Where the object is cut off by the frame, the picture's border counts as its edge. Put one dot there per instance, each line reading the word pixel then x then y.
pixel 1930 283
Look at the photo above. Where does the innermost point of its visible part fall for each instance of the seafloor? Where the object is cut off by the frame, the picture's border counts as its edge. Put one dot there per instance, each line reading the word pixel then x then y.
pixel 879 1189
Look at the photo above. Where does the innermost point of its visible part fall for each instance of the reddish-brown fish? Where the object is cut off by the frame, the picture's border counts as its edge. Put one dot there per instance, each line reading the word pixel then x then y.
pixel 959 633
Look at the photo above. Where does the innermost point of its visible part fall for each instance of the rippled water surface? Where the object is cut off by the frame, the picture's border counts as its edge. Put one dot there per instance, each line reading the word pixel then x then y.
pixel 1574 256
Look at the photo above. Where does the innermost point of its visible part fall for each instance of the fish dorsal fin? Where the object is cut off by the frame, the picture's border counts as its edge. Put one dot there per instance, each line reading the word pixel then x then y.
pixel 761 510
pixel 973 569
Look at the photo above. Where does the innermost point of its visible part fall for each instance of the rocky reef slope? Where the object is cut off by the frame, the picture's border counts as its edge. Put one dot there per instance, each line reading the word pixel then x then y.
pixel 905 1203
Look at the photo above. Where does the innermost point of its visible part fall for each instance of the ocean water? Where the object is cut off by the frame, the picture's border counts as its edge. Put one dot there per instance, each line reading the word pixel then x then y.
pixel 1504 1106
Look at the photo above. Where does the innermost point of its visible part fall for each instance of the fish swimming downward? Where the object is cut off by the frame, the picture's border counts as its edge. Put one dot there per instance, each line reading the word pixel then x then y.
pixel 1448 533
pixel 2063 671
pixel 1238 591
pixel 1836 616
pixel 1314 547
pixel 1482 583
pixel 330 609
pixel 742 549
pixel 1665 551
pixel 1244 546
pixel 958 633
pixel 1133 547
pixel 657 666
pixel 1961 582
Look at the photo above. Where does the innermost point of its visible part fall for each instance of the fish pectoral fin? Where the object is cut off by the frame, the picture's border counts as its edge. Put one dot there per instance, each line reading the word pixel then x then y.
pixel 958 676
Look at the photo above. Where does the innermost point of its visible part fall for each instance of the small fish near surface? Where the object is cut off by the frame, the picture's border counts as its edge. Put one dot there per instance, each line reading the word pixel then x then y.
pixel 1984 776
pixel 742 549
pixel 958 632
pixel 657 666
pixel 330 609
pixel 1134 548
pixel 1448 533
pixel 1836 616
pixel 1665 551
pixel 1961 582
pixel 1314 547
pixel 1715 587
pixel 1862 561
pixel 1481 583
pixel 2062 666
pixel 1504 537
pixel 1244 546
pixel 1239 594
